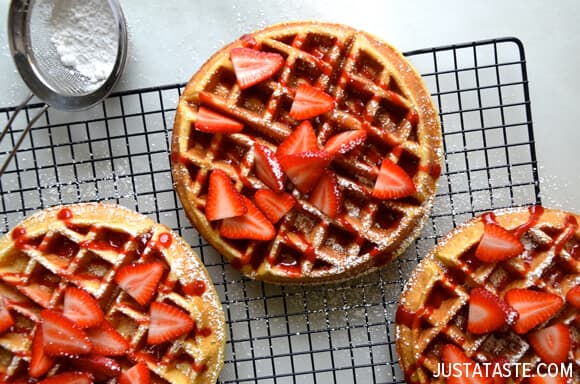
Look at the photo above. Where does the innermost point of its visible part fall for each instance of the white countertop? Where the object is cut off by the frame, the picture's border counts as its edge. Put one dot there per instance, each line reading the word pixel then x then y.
pixel 170 39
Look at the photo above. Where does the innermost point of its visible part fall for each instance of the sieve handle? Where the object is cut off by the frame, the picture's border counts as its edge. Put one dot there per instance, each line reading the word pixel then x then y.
pixel 24 132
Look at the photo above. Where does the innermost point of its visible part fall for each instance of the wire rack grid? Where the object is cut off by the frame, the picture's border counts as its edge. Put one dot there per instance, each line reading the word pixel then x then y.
pixel 119 152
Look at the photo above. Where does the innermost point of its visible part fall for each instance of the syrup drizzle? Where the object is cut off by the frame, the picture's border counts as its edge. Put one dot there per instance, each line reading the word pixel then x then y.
pixel 199 367
pixel 64 214
pixel 570 228
pixel 195 288
pixel 413 319
pixel 290 270
pixel 105 240
pixel 412 117
pixel 249 41
pixel 432 169
pixel 165 239
pixel 575 252
pixel 536 212
pixel 18 233
pixel 325 60
pixel 203 332
pixel 489 218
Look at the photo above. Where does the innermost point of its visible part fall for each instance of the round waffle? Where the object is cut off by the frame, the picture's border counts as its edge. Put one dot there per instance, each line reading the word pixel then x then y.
pixel 326 79
pixel 103 255
pixel 541 265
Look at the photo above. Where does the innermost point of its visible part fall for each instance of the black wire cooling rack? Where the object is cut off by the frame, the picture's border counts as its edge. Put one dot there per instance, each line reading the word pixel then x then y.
pixel 119 152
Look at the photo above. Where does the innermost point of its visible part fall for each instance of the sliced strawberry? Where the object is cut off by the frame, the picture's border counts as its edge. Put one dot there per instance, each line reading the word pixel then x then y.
pixel 268 168
pixel 140 281
pixel 61 336
pixel 69 378
pixel 39 362
pixel 302 139
pixel 107 341
pixel 547 379
pixel 497 244
pixel 6 320
pixel 252 225
pixel 223 199
pixel 274 205
pixel 304 169
pixel 102 368
pixel 167 322
pixel 82 308
pixel 573 296
pixel 212 122
pixel 487 312
pixel 393 182
pixel 552 344
pixel 534 307
pixel 310 102
pixel 137 374
pixel 326 196
pixel 345 141
pixel 253 67
pixel 457 359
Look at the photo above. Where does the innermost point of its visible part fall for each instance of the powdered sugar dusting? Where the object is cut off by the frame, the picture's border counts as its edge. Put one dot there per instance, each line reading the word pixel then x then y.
pixel 84 35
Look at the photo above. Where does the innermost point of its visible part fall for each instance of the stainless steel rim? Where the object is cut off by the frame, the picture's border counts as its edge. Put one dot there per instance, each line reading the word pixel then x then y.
pixel 18 40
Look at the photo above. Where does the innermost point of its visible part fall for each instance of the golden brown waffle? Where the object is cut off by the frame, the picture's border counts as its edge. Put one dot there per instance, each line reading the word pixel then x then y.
pixel 375 89
pixel 84 245
pixel 433 309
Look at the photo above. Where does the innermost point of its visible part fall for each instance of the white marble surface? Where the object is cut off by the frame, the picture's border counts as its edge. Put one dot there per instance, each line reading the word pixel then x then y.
pixel 170 39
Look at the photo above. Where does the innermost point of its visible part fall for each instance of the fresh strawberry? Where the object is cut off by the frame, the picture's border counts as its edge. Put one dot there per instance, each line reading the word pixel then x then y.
pixel 573 296
pixel 552 344
pixel 107 341
pixel 69 378
pixel 274 205
pixel 268 168
pixel 253 67
pixel 61 336
pixel 302 139
pixel 304 169
pixel 140 281
pixel 310 102
pixel 212 122
pixel 252 225
pixel 39 362
pixel 223 199
pixel 497 244
pixel 167 322
pixel 82 308
pixel 454 356
pixel 534 307
pixel 6 320
pixel 393 182
pixel 326 196
pixel 487 312
pixel 546 379
pixel 137 374
pixel 102 368
pixel 345 141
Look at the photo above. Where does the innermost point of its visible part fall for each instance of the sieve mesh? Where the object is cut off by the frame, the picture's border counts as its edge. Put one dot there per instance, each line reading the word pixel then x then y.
pixel 61 79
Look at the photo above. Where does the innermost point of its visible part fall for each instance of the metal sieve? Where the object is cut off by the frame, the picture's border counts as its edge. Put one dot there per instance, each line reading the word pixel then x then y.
pixel 40 66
